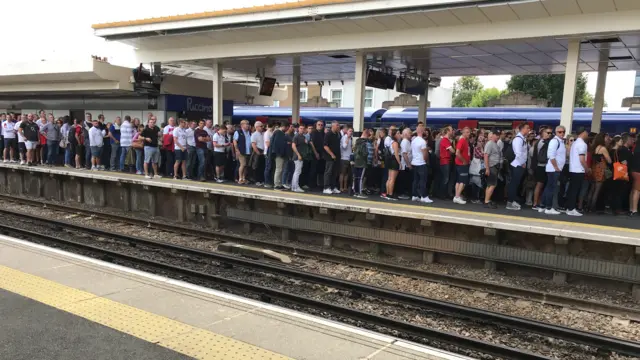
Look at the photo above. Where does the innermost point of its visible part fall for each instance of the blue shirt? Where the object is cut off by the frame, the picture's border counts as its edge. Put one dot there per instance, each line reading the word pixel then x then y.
pixel 115 132
pixel 247 136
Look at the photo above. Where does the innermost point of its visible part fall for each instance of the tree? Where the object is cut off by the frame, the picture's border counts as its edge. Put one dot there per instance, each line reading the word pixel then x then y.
pixel 464 89
pixel 550 88
pixel 483 96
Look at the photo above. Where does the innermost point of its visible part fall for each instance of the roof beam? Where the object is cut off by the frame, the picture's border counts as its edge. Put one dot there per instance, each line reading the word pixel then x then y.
pixel 555 27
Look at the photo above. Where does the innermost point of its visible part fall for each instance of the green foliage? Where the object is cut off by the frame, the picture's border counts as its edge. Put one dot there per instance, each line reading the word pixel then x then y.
pixel 482 97
pixel 550 88
pixel 464 90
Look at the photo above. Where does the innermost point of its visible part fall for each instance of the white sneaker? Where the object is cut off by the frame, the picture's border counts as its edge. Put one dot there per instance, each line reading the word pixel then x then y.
pixel 327 191
pixel 5 161
pixel 515 204
pixel 22 162
pixel 426 200
pixel 158 177
pixel 298 190
pixel 574 212
pixel 336 191
pixel 148 177
pixel 458 200
pixel 415 198
pixel 94 168
pixel 541 210
pixel 551 212
pixel 286 186
pixel 12 161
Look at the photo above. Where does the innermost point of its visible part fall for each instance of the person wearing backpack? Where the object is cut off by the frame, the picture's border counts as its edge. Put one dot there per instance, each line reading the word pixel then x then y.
pixel 518 165
pixel 360 160
pixel 539 164
pixel 557 157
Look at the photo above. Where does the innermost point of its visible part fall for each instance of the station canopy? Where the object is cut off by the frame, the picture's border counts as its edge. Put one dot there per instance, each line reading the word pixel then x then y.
pixel 442 37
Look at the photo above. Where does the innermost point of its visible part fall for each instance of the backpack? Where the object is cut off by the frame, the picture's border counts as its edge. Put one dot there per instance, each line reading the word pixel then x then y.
pixel 543 153
pixel 508 153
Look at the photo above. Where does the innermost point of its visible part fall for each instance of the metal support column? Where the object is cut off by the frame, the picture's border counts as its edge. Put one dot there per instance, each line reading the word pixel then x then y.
pixel 570 79
pixel 295 93
pixel 422 107
pixel 598 103
pixel 218 118
pixel 358 99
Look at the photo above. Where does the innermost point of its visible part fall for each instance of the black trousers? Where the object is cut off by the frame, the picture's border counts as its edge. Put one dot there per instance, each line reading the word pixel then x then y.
pixel 331 171
pixel 575 184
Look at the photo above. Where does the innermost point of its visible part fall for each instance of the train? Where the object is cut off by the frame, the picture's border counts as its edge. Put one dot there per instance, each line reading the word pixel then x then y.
pixel 615 122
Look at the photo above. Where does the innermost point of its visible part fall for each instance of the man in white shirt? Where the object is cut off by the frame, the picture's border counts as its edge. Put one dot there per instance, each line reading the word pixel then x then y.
pixel 557 155
pixel 126 135
pixel 268 180
pixel 96 139
pixel 419 156
pixel 180 149
pixel 191 148
pixel 404 180
pixel 9 133
pixel 518 166
pixel 220 145
pixel 22 149
pixel 257 156
pixel 577 169
pixel 210 162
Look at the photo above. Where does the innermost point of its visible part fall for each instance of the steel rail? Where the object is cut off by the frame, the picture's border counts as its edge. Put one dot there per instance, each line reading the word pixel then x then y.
pixel 267 294
pixel 599 341
pixel 498 289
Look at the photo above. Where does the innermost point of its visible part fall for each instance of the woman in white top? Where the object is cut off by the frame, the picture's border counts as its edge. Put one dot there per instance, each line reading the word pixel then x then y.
pixel 405 176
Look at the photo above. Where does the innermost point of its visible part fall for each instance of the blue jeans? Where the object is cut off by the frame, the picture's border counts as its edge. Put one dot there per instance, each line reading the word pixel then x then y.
pixel 444 181
pixel 52 151
pixel 201 162
pixel 139 161
pixel 113 156
pixel 516 180
pixel 420 175
pixel 268 180
pixel 87 155
pixel 67 154
pixel 286 172
pixel 191 160
pixel 123 155
pixel 550 189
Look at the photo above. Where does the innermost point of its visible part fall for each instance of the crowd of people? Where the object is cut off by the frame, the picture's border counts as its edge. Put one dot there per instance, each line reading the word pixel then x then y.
pixel 551 171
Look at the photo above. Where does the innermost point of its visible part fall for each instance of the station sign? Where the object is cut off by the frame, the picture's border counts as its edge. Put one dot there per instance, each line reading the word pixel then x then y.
pixel 197 106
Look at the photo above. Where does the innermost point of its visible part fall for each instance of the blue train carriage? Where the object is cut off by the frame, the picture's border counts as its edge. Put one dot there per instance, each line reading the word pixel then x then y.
pixel 372 117
pixel 615 122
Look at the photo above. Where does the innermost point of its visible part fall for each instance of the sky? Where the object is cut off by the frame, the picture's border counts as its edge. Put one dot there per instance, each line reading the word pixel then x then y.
pixel 65 33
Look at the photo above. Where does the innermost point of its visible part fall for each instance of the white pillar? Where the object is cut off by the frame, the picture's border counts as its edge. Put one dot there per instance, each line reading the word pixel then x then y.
pixel 218 118
pixel 598 102
pixel 570 79
pixel 358 99
pixel 295 92
pixel 422 106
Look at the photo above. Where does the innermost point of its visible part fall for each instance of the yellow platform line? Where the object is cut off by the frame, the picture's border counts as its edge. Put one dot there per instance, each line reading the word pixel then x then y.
pixel 182 338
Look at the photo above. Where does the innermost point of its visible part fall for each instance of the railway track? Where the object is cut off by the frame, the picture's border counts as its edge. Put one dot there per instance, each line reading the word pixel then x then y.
pixel 355 290
pixel 470 284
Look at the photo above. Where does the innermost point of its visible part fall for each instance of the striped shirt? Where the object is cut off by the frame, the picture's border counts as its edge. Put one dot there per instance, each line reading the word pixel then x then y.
pixel 126 134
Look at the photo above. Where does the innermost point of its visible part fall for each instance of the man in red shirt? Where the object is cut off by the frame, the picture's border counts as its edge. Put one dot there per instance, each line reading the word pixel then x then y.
pixel 446 150
pixel 463 158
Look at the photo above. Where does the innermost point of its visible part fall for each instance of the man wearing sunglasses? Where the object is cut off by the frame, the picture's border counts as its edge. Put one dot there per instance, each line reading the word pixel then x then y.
pixel 557 155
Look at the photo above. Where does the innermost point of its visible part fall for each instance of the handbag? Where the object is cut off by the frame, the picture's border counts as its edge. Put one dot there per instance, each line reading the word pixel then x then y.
pixel 64 142
pixel 620 170
pixel 475 167
pixel 137 144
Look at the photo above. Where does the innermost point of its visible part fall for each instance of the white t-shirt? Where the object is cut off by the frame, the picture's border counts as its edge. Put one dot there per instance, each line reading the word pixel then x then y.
pixel 258 138
pixel 211 134
pixel 267 139
pixel 405 148
pixel 579 147
pixel 556 150
pixel 417 145
pixel 181 135
pixel 168 129
pixel 220 140
pixel 21 138
pixel 191 140
pixel 8 130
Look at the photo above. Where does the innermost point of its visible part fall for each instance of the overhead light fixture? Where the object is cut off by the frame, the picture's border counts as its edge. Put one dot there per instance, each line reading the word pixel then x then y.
pixel 342 82
pixel 277 84
pixel 329 82
pixel 306 83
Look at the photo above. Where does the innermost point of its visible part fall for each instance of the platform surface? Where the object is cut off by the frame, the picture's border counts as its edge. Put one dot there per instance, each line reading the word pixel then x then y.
pixel 608 228
pixel 57 305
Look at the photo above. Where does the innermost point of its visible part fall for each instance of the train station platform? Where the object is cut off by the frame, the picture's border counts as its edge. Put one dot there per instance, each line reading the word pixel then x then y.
pixel 592 246
pixel 66 306
pixel 609 228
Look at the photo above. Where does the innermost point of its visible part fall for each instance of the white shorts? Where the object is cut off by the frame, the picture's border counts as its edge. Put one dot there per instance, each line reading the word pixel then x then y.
pixel 31 145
